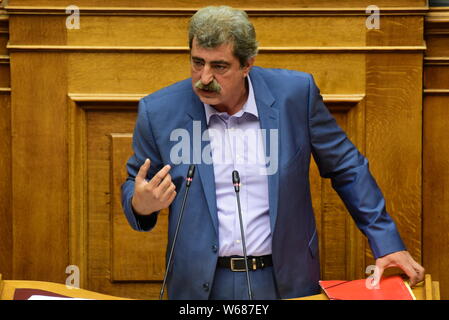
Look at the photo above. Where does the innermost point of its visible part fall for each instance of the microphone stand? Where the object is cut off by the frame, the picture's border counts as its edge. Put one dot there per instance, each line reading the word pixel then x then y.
pixel 189 179
pixel 236 182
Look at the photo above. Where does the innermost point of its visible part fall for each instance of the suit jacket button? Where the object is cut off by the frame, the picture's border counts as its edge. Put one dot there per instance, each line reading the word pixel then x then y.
pixel 206 286
pixel 214 248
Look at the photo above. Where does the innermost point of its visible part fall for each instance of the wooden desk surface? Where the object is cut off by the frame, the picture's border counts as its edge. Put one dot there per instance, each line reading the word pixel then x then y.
pixel 426 290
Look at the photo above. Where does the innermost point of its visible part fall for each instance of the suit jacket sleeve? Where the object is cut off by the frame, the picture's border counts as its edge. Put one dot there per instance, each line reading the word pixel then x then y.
pixel 144 147
pixel 338 159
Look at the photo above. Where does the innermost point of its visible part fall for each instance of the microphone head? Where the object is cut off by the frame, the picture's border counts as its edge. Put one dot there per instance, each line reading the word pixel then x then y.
pixel 190 174
pixel 235 177
pixel 191 171
pixel 236 180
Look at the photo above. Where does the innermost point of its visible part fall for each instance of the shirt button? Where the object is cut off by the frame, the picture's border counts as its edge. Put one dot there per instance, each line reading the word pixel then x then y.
pixel 214 248
pixel 206 286
pixel 237 241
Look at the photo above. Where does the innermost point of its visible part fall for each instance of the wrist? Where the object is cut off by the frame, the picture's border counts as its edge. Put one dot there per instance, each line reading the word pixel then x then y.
pixel 139 211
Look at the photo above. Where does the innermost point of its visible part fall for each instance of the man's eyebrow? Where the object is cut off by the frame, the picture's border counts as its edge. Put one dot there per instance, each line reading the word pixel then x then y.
pixel 220 62
pixel 197 58
pixel 214 61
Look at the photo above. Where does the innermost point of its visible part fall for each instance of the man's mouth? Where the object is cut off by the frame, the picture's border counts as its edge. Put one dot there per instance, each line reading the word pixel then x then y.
pixel 205 90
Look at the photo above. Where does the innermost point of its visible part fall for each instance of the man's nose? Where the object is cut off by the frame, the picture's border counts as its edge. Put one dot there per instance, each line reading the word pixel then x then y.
pixel 207 75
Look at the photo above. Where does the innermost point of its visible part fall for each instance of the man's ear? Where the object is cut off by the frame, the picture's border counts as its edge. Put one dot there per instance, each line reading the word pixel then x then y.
pixel 248 66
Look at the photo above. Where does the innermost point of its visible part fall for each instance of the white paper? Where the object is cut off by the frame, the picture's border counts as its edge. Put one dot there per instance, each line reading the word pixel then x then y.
pixel 40 297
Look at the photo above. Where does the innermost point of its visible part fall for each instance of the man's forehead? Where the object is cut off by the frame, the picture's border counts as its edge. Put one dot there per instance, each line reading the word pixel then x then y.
pixel 221 52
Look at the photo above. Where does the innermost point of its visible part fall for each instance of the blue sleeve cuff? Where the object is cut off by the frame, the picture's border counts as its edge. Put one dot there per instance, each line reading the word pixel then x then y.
pixel 386 241
pixel 139 222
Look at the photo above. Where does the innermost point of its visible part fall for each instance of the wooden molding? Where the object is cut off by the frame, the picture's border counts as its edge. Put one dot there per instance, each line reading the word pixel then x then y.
pixel 50 10
pixel 341 103
pixel 105 97
pixel 89 101
pixel 436 61
pixel 360 49
pixel 4 59
pixel 94 99
pixel 78 207
pixel 436 92
pixel 343 98
pixel 438 15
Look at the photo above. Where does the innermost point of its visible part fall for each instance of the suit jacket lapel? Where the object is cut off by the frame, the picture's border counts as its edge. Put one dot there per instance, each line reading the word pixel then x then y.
pixel 269 120
pixel 206 171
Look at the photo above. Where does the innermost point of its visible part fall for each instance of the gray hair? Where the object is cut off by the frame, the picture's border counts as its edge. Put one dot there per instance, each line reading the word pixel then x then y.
pixel 213 26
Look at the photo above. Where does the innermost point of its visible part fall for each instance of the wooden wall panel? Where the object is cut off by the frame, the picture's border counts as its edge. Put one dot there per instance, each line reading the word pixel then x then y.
pixel 39 166
pixel 342 246
pixel 140 72
pixel 436 150
pixel 117 73
pixel 393 138
pixel 165 30
pixel 119 258
pixel 345 77
pixel 272 31
pixel 5 152
pixel 135 256
pixel 436 182
pixel 5 186
pixel 79 105
pixel 396 28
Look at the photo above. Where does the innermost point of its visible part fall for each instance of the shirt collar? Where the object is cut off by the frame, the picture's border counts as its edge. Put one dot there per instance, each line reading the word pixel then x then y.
pixel 249 106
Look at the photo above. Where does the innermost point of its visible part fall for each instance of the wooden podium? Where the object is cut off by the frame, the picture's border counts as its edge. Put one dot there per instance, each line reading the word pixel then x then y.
pixel 426 290
pixel 8 290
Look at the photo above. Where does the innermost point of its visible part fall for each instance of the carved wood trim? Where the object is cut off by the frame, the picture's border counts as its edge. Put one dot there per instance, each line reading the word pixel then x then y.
pixel 50 10
pixel 180 49
pixel 78 197
pixel 436 92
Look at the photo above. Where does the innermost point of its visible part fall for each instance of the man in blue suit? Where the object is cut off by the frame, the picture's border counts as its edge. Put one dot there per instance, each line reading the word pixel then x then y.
pixel 192 121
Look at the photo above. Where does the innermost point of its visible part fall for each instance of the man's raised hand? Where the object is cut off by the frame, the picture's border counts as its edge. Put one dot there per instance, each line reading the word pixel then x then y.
pixel 154 195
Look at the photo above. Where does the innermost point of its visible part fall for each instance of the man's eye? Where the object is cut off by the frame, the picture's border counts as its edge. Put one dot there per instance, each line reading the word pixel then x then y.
pixel 219 67
pixel 198 63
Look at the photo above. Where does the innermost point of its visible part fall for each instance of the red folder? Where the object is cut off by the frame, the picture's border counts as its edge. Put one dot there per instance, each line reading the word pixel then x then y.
pixel 390 288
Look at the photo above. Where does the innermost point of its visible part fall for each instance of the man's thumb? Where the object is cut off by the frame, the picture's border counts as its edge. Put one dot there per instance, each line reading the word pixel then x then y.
pixel 143 171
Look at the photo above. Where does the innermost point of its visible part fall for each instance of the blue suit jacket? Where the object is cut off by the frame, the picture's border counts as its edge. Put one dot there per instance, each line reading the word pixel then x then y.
pixel 290 102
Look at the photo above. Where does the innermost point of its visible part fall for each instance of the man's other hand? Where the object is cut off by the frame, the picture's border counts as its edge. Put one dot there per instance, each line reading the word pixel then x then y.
pixel 400 259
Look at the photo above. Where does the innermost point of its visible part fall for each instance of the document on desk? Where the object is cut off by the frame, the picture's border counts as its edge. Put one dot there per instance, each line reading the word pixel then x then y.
pixel 41 297
pixel 389 288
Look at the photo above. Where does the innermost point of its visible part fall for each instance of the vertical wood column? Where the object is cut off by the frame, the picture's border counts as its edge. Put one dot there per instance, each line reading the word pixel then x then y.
pixel 39 157
pixel 5 151
pixel 436 148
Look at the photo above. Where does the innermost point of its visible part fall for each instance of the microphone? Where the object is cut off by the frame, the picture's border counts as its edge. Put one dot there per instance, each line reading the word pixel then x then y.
pixel 236 182
pixel 189 179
